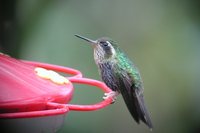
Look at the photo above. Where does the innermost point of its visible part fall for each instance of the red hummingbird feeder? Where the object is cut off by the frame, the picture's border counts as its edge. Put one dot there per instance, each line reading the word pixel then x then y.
pixel 34 97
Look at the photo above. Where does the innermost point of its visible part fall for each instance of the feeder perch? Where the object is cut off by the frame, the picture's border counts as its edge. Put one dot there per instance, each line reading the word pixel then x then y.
pixel 35 98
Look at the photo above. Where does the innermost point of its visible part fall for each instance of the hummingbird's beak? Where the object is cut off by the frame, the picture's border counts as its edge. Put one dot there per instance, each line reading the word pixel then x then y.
pixel 87 39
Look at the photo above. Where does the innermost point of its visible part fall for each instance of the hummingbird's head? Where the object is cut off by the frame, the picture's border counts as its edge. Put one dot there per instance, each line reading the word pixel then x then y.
pixel 104 48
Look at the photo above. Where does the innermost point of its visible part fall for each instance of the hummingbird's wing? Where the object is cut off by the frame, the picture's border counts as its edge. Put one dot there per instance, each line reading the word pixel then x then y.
pixel 134 100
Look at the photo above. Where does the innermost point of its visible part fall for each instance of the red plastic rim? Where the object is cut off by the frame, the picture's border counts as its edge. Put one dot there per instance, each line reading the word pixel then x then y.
pixel 51 110
pixel 57 68
pixel 96 106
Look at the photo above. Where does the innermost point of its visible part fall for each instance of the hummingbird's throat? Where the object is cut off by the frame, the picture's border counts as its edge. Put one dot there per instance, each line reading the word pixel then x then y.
pixel 101 56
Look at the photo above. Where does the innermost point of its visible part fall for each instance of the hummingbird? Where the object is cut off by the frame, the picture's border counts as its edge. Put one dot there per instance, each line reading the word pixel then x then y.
pixel 120 74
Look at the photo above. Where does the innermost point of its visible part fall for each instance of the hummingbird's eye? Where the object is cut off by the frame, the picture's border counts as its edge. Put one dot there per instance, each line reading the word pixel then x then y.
pixel 105 44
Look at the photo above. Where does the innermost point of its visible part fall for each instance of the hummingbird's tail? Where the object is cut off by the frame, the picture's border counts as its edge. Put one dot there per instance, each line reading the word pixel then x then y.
pixel 135 103
pixel 137 108
pixel 142 110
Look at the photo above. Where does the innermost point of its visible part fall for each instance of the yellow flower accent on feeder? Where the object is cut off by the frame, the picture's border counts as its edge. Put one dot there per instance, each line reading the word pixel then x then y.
pixel 51 75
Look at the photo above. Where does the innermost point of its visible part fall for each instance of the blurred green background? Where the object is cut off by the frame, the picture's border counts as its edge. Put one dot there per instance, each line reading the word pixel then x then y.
pixel 161 36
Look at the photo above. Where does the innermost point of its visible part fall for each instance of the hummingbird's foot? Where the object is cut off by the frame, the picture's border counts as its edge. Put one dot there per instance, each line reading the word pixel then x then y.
pixel 112 94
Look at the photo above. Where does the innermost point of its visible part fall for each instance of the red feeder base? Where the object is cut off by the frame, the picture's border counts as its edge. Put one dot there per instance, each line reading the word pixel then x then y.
pixel 29 103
